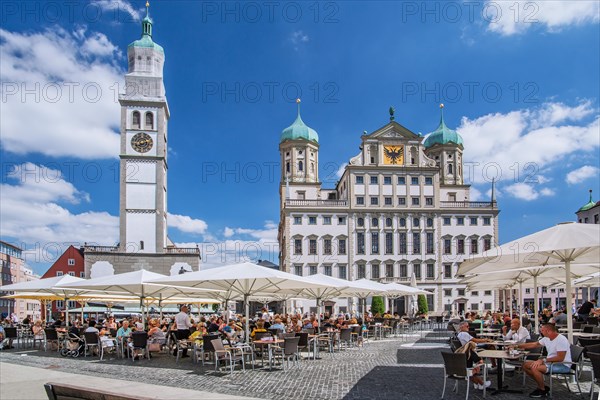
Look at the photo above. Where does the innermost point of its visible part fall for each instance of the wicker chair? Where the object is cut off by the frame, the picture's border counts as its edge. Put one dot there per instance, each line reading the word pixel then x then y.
pixel 288 352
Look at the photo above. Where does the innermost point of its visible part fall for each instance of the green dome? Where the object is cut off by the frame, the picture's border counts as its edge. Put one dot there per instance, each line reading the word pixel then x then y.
pixel 590 204
pixel 443 135
pixel 146 39
pixel 299 130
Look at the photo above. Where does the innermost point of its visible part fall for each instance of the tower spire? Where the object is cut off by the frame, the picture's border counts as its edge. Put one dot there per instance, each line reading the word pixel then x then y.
pixel 442 123
pixel 147 22
pixel 591 196
pixel 493 197
pixel 298 101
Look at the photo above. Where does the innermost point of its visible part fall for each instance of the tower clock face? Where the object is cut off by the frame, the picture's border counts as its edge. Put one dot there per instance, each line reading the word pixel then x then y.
pixel 141 142
pixel 393 155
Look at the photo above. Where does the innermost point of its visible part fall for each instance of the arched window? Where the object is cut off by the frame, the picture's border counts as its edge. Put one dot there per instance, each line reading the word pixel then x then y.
pixel 450 169
pixel 135 120
pixel 300 166
pixel 360 222
pixel 374 222
pixel 287 167
pixel 388 222
pixel 402 221
pixel 149 120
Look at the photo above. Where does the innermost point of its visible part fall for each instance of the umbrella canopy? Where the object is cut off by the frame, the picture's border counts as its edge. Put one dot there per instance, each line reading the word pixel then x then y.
pixel 592 280
pixel 398 290
pixel 244 279
pixel 566 244
pixel 46 285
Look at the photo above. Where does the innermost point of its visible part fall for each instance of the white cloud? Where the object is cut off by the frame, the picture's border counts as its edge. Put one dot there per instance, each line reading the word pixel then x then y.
pixel 32 212
pixel 527 192
pixel 298 38
pixel 475 194
pixel 514 147
pixel 228 232
pixel 187 224
pixel 268 233
pixel 514 17
pixel 341 170
pixel 119 6
pixel 64 84
pixel 581 174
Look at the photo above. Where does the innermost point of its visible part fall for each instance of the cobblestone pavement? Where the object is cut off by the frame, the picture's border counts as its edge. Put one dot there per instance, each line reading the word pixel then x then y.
pixel 396 368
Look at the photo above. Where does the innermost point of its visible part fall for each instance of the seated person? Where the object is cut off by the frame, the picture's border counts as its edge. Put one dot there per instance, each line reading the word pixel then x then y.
pixel 260 327
pixel 155 334
pixel 104 340
pixel 559 351
pixel 278 325
pixel 231 333
pixel 213 326
pixel 516 332
pixel 124 330
pixel 307 324
pixel 464 337
pixel 340 323
pixel 111 324
pixel 38 330
pixel 474 361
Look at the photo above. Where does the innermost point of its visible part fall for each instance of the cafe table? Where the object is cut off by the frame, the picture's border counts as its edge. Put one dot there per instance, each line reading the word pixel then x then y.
pixel 269 344
pixel 500 356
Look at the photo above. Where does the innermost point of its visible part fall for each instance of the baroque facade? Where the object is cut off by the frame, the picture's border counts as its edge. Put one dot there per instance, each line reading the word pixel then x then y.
pixel 400 212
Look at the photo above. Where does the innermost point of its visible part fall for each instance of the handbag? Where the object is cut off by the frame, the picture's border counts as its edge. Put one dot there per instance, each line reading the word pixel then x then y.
pixel 154 347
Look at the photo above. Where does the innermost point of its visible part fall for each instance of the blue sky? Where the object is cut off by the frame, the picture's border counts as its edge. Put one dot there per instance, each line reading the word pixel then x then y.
pixel 519 80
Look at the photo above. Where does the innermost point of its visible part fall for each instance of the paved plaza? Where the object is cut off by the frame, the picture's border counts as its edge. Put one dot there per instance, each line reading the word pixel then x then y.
pixel 395 368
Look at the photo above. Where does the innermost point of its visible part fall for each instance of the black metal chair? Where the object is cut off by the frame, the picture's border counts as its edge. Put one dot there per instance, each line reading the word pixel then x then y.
pixel 288 352
pixel 92 340
pixel 303 342
pixel 455 367
pixel 345 337
pixel 12 335
pixel 595 359
pixel 207 347
pixel 588 328
pixel 139 341
pixel 455 344
pixel 51 337
pixel 576 354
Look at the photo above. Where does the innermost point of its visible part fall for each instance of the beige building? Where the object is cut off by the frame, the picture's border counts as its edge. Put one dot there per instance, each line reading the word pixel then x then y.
pixel 15 270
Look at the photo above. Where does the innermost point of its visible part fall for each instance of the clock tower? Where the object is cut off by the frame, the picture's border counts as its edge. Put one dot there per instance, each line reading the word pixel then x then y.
pixel 143 153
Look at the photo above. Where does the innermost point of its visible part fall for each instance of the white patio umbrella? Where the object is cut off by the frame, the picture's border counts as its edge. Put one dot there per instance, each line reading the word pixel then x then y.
pixel 244 279
pixel 565 244
pixel 396 290
pixel 135 283
pixel 366 288
pixel 48 286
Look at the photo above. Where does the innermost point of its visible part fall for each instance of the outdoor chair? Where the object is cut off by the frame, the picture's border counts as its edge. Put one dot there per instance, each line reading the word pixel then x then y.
pixel 576 354
pixel 260 348
pixel 288 352
pixel 51 337
pixel 275 331
pixel 310 331
pixel 139 341
pixel 534 336
pixel 596 330
pixel 41 340
pixel 345 338
pixel 595 359
pixel 231 355
pixel 455 367
pixel 11 334
pixel 455 344
pixel 92 340
pixel 303 342
pixel 588 328
pixel 586 342
pixel 286 335
pixel 178 346
pixel 207 347
pixel 592 321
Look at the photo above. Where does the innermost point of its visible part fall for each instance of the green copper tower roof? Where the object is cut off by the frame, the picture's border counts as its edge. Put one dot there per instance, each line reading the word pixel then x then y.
pixel 299 130
pixel 146 39
pixel 443 134
pixel 590 204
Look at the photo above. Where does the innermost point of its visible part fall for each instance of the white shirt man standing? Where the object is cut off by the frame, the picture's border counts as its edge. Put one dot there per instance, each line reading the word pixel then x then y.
pixel 517 333
pixel 182 320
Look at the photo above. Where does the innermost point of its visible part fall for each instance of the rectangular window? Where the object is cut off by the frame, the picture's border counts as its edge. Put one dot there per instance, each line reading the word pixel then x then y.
pixel 312 246
pixel 474 246
pixel 360 200
pixel 461 292
pixel 487 293
pixel 460 220
pixel 387 180
pixel 298 270
pixel 428 201
pixel 474 293
pixel 387 201
pixel 375 271
pixel 341 246
pixel 428 180
pixel 474 306
pixel 312 269
pixel 374 200
pixel 360 272
pixel 417 270
pixel 401 201
pixel 389 243
pixel 60 304
pixel 342 272
pixel 447 292
pixel 403 271
pixel 326 246
pixel 414 180
pixel 403 247
pixel 298 246
pixel 430 305
pixel 389 270
pixel 487 306
pixel 487 244
pixel 460 246
pixel 473 220
pixel 71 261
pixel 415 201
pixel 360 179
pixel 375 243
pixel 82 274
pixel 327 270
pixel 59 273
pixel 374 180
pixel 447 246
pixel 430 271
pixel 327 220
pixel 401 180
pixel 448 271
pixel 341 220
pixel 446 221
pixel 487 221
pixel 297 220
pixel 360 243
pixel 527 291
pixel 312 220
pixel 71 273
pixel 416 243
pixel 429 244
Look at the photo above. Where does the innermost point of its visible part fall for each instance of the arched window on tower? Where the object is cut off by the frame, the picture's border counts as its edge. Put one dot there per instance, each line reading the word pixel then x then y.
pixel 300 166
pixel 135 120
pixel 287 167
pixel 149 121
pixel 312 167
pixel 450 169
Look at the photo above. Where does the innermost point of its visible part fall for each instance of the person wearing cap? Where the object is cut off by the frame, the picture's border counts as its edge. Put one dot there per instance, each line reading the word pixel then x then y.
pixel 278 325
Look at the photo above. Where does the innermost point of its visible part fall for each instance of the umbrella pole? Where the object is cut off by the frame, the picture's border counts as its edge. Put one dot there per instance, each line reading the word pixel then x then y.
pixel 142 305
pixel 510 303
pixel 319 311
pixel 67 312
pixel 82 307
pixel 569 308
pixel 247 311
pixel 536 307
pixel 521 303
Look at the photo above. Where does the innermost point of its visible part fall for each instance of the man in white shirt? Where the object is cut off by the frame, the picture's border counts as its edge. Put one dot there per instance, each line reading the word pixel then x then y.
pixel 465 337
pixel 517 333
pixel 559 352
pixel 182 320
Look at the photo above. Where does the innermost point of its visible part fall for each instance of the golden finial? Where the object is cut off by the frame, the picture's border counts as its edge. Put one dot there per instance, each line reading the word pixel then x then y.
pixel 147 4
pixel 442 105
pixel 298 101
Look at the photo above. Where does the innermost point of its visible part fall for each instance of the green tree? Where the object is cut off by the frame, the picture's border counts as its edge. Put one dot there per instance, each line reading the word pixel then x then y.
pixel 422 304
pixel 377 305
pixel 215 307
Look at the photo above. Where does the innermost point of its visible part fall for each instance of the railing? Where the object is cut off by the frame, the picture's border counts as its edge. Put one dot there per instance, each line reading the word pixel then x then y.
pixel 391 279
pixel 316 203
pixel 102 249
pixel 182 250
pixel 467 204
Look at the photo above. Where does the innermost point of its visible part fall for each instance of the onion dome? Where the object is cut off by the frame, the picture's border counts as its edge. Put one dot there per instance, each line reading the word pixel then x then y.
pixel 443 134
pixel 299 130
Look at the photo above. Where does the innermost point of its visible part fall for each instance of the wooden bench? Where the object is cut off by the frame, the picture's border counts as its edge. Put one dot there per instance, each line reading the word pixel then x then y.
pixel 62 391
